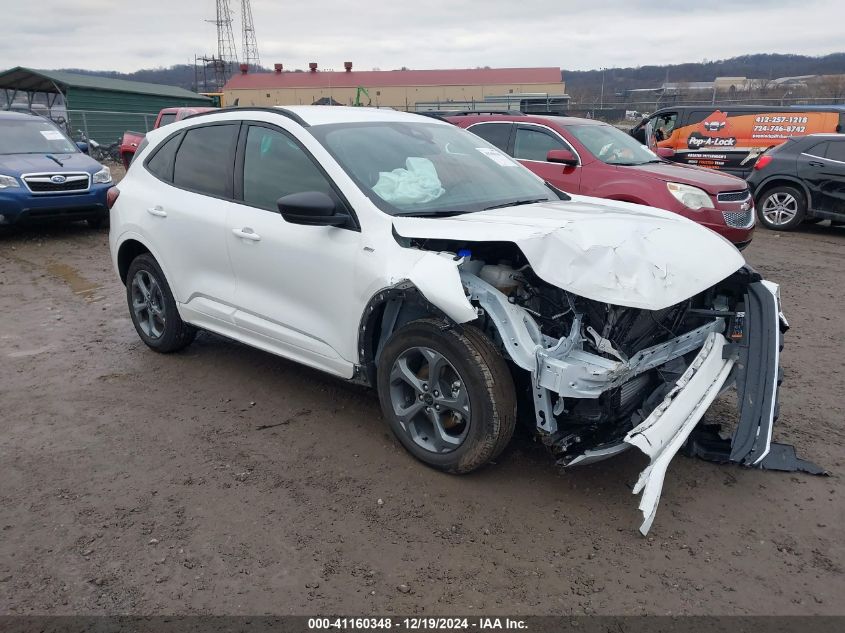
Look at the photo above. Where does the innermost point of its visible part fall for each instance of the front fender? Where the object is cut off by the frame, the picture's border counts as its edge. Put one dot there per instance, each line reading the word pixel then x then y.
pixel 622 197
pixel 436 276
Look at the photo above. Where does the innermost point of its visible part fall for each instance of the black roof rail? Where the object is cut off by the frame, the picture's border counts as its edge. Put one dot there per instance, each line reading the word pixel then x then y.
pixel 282 111
pixel 484 112
pixel 27 111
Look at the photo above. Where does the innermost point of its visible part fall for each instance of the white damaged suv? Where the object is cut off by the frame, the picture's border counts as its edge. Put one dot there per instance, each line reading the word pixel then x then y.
pixel 407 254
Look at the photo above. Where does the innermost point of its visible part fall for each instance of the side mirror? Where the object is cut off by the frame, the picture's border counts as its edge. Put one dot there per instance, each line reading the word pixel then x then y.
pixel 83 147
pixel 314 208
pixel 562 156
pixel 665 152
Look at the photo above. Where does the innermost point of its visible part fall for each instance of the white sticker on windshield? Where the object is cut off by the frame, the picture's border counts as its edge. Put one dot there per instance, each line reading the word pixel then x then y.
pixel 497 157
pixel 52 135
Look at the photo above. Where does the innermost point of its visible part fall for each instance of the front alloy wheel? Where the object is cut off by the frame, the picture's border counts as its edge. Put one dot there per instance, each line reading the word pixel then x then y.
pixel 782 208
pixel 430 400
pixel 447 394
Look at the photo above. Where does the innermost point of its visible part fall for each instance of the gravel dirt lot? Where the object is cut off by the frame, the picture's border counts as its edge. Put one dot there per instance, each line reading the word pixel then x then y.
pixel 225 480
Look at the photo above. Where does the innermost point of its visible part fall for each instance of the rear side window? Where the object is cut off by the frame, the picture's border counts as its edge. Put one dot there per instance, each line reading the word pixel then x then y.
pixel 817 150
pixel 494 133
pixel 161 162
pixel 140 150
pixel 836 150
pixel 166 118
pixel 697 116
pixel 204 160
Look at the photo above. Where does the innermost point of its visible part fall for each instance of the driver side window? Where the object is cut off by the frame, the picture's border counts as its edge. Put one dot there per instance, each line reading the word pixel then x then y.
pixel 274 166
pixel 664 126
pixel 535 144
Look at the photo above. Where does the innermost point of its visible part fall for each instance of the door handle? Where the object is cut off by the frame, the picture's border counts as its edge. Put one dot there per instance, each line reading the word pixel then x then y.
pixel 247 234
pixel 815 163
pixel 157 211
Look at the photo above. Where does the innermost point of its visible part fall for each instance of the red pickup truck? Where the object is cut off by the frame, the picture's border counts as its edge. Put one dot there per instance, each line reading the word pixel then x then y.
pixel 131 140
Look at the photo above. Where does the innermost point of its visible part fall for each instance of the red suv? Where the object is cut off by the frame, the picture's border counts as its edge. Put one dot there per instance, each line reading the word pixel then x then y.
pixel 591 158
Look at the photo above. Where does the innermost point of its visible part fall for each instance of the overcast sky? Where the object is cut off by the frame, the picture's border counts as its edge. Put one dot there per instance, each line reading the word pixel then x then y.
pixel 385 34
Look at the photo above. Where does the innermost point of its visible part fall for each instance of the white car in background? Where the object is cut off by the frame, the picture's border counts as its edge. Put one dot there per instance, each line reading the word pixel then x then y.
pixel 404 253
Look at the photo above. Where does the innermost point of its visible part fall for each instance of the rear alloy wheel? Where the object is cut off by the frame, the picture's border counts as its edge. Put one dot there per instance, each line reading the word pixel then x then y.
pixel 447 395
pixel 148 304
pixel 782 208
pixel 153 308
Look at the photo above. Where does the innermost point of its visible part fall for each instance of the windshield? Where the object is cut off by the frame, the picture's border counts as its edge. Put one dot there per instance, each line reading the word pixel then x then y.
pixel 33 136
pixel 428 168
pixel 612 146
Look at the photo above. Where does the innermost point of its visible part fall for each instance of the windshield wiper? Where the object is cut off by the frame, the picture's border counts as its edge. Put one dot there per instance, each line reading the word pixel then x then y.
pixel 645 162
pixel 55 160
pixel 432 213
pixel 560 193
pixel 516 203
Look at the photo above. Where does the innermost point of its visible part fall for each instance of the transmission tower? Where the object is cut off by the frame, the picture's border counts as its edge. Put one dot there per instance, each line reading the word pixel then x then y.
pixel 250 45
pixel 227 54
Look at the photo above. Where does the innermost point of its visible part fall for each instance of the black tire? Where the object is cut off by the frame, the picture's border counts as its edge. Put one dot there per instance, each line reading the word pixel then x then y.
pixel 96 222
pixel 168 333
pixel 480 369
pixel 767 204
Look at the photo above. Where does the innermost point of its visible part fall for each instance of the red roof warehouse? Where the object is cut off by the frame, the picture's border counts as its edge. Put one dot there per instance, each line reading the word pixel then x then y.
pixel 396 88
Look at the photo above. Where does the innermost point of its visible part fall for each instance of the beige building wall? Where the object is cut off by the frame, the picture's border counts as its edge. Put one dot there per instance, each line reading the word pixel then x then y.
pixel 394 96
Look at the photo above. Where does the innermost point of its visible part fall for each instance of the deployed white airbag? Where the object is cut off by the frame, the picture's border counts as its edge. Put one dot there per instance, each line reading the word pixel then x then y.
pixel 418 183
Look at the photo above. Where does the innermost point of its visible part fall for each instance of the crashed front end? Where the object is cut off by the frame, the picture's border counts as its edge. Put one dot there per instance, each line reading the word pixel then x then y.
pixel 605 378
pixel 627 323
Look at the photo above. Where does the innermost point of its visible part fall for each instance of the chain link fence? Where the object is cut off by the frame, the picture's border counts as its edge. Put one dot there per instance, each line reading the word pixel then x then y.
pixel 103 126
pixel 106 127
pixel 615 110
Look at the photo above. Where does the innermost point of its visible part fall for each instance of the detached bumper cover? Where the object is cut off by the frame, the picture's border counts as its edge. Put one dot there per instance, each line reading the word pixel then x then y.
pixel 754 362
pixel 662 433
pixel 758 376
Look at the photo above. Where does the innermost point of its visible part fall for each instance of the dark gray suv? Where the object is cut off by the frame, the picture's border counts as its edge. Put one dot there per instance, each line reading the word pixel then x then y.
pixel 802 180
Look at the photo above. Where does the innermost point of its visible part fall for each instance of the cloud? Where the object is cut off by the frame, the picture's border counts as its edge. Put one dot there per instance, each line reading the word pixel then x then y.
pixel 102 34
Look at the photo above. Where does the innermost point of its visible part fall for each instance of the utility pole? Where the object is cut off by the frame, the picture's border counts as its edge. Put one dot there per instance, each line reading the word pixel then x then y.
pixel 601 103
pixel 250 44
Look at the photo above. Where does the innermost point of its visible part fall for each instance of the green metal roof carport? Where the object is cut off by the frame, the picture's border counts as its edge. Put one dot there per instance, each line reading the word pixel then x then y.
pixel 104 106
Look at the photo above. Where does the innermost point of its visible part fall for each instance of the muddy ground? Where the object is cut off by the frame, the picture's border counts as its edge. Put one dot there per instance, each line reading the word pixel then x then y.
pixel 225 480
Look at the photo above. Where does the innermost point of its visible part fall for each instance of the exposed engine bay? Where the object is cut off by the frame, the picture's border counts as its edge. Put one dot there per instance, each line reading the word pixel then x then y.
pixel 606 377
